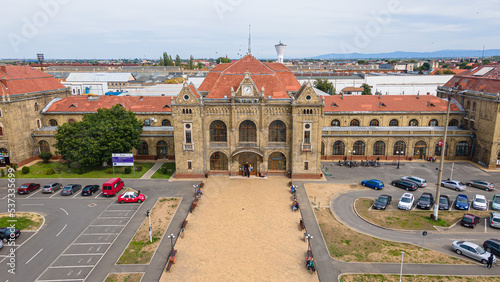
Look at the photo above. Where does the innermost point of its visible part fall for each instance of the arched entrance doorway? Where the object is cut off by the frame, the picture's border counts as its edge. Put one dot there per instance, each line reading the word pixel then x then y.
pixel 4 157
pixel 161 149
pixel 250 161
pixel 420 150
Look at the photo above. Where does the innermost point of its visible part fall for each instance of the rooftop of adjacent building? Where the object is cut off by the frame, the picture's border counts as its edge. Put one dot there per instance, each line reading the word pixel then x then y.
pixel 484 79
pixel 24 80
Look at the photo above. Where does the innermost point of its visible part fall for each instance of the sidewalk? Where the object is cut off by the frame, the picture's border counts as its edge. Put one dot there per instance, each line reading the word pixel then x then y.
pixel 152 170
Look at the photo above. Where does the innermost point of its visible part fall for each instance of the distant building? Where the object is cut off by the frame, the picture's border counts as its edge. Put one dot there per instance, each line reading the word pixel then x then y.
pixel 113 79
pixel 352 90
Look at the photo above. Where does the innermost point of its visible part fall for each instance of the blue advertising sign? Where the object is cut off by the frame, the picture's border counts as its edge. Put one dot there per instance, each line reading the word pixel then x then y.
pixel 123 159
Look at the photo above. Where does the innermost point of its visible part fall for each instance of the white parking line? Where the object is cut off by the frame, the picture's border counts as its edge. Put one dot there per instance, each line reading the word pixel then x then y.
pixel 90 243
pixel 102 234
pixel 76 194
pixel 90 254
pixel 34 256
pixel 64 211
pixel 61 280
pixel 32 204
pixel 62 230
pixel 100 193
pixel 31 194
pixel 70 266
pixel 57 193
pixel 106 225
pixel 108 217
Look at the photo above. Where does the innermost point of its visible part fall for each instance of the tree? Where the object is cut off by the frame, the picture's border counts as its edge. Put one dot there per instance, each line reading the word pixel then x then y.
pixel 362 62
pixel 367 90
pixel 324 85
pixel 447 71
pixel 178 61
pixel 45 156
pixel 91 141
pixel 223 60
pixel 191 62
pixel 486 62
pixel 161 63
pixel 425 66
pixel 200 65
pixel 165 59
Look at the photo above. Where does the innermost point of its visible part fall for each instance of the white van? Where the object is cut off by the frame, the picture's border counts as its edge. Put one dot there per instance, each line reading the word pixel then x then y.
pixel 419 181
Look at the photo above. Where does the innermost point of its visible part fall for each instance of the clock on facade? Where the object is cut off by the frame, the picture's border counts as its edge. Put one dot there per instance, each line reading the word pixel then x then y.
pixel 247 89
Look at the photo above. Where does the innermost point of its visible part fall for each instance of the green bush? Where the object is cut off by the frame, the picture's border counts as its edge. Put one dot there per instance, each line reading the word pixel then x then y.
pixel 163 170
pixel 2 171
pixel 138 168
pixel 25 170
pixel 109 170
pixel 14 166
pixel 127 170
pixel 80 170
pixel 45 156
pixel 50 171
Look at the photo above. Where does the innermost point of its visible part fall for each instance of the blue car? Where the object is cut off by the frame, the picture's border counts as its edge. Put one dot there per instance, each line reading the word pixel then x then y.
pixel 462 202
pixel 373 183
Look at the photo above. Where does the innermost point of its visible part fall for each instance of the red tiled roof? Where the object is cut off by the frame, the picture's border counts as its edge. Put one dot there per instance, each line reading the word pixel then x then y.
pixel 387 103
pixel 195 92
pixel 455 71
pixel 23 79
pixel 133 103
pixel 276 78
pixel 488 82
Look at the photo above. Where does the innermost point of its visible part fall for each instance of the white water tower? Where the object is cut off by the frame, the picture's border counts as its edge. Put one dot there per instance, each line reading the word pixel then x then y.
pixel 280 49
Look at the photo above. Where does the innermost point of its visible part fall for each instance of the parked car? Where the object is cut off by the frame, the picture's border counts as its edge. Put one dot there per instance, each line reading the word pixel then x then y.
pixel 425 201
pixel 495 203
pixel 481 184
pixel 405 184
pixel 1 244
pixel 453 184
pixel 406 201
pixel 70 189
pixel 469 220
pixel 51 188
pixel 382 202
pixel 495 219
pixel 462 202
pixel 444 202
pixel 373 183
pixel 492 246
pixel 471 250
pixel 479 202
pixel 112 186
pixel 418 180
pixel 27 188
pixel 5 233
pixel 90 190
pixel 131 197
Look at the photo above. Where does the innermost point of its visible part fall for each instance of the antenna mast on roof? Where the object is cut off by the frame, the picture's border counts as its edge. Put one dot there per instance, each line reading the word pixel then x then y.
pixel 249 41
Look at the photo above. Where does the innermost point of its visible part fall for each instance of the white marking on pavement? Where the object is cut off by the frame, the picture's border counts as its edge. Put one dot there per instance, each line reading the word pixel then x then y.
pixel 98 195
pixel 34 256
pixel 75 195
pixel 57 193
pixel 70 266
pixel 90 243
pixel 106 225
pixel 64 211
pixel 33 204
pixel 54 280
pixel 31 194
pixel 90 254
pixel 100 234
pixel 62 230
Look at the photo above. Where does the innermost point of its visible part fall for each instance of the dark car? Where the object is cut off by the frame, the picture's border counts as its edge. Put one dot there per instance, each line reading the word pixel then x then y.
pixel 5 233
pixel 382 202
pixel 444 202
pixel 469 220
pixel 90 190
pixel 425 201
pixel 405 184
pixel 27 188
pixel 492 246
pixel 70 189
pixel 462 202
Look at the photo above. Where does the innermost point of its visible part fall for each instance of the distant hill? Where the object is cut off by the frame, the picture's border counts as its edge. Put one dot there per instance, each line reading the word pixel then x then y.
pixel 413 55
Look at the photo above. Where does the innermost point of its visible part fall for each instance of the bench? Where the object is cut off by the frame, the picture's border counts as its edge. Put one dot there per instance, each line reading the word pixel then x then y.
pixel 201 184
pixel 184 223
pixel 302 225
pixel 193 206
pixel 171 261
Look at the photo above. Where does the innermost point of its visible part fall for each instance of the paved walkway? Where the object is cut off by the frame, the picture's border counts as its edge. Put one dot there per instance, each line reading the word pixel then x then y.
pixel 152 170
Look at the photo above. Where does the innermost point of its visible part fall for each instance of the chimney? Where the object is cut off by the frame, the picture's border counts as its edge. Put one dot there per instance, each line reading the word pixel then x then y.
pixel 141 98
pixel 418 95
pixel 380 95
pixel 342 95
pixel 3 69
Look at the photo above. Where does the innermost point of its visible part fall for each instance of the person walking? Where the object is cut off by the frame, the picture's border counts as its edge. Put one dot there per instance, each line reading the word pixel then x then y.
pixel 490 261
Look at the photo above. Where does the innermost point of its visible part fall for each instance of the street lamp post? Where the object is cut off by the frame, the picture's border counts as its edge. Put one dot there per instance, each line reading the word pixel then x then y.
pixel 309 237
pixel 401 273
pixel 399 153
pixel 150 231
pixel 172 237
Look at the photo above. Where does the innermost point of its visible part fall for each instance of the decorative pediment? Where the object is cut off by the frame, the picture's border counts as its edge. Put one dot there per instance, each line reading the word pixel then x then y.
pixel 307 95
pixel 247 88
pixel 188 95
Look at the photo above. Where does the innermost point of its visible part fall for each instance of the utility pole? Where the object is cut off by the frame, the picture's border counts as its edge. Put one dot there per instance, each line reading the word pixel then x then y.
pixel 441 163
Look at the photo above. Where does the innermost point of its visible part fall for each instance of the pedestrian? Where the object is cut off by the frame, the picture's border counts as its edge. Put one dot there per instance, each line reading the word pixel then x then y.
pixel 250 167
pixel 490 261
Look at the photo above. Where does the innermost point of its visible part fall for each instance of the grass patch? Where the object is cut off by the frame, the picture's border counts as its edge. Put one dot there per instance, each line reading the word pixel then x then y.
pixel 24 221
pixel 140 250
pixel 165 171
pixel 61 170
pixel 124 277
pixel 413 220
pixel 411 278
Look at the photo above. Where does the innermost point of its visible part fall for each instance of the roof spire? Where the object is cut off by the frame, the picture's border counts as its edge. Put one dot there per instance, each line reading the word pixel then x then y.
pixel 249 41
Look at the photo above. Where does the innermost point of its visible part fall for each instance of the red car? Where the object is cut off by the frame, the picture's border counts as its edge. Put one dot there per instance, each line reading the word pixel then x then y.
pixel 27 188
pixel 469 220
pixel 131 197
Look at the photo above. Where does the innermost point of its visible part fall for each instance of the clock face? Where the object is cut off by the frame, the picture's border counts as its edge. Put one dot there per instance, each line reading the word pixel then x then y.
pixel 247 89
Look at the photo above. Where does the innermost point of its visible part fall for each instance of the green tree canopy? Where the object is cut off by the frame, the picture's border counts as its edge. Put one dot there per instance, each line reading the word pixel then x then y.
pixel 191 62
pixel 367 90
pixel 178 61
pixel 91 141
pixel 223 60
pixel 324 85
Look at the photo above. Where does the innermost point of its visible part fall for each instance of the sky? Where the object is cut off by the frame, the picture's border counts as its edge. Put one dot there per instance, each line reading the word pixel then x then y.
pixel 125 29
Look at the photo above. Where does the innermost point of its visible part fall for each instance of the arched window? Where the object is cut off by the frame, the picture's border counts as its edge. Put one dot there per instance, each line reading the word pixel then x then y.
pixel 38 124
pixel 218 131
pixel 437 152
pixel 322 148
pixel 277 131
pixel 394 122
pixel 143 148
pixel 379 148
pixel 420 150
pixel 165 122
pixel 354 122
pixel 453 122
pixel 335 122
pixel 53 122
pixel 462 149
pixel 374 122
pixel 338 148
pixel 36 106
pixel 413 122
pixel 276 161
pixel 433 122
pixel 161 149
pixel 218 161
pixel 248 131
pixel 473 106
pixel 358 148
pixel 399 148
pixel 44 146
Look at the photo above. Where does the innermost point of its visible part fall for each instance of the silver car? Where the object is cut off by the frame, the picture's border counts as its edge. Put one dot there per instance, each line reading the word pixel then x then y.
pixel 495 219
pixel 453 184
pixel 50 188
pixel 471 250
pixel 481 184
